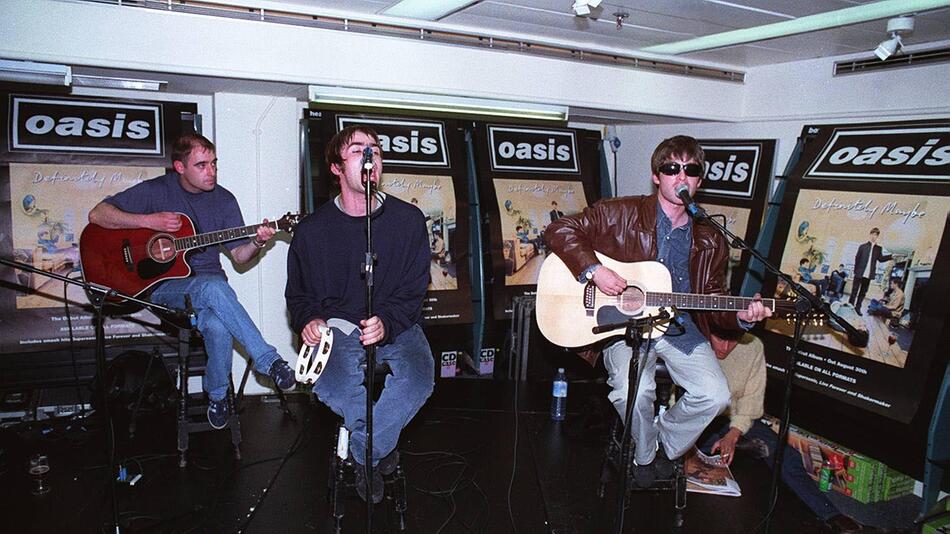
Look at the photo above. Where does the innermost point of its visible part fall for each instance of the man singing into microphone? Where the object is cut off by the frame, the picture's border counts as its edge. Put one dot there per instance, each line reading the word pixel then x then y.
pixel 325 284
pixel 658 227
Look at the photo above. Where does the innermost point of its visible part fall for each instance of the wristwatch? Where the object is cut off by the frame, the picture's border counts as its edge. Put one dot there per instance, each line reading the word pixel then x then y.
pixel 588 274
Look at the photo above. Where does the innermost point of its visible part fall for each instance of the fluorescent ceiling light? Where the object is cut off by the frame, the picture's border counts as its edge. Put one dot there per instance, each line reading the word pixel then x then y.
pixel 426 9
pixel 107 82
pixel 31 72
pixel 344 96
pixel 822 21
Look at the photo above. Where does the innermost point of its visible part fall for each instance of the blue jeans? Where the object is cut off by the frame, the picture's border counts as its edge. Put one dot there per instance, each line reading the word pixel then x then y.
pixel 793 471
pixel 341 388
pixel 875 307
pixel 221 320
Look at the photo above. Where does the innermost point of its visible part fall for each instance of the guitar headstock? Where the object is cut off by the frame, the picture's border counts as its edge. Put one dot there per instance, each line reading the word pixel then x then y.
pixel 289 221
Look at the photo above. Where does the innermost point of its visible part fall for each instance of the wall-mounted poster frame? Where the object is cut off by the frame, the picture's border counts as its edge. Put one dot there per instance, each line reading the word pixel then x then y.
pixel 528 177
pixel 59 156
pixel 423 165
pixel 738 172
pixel 865 224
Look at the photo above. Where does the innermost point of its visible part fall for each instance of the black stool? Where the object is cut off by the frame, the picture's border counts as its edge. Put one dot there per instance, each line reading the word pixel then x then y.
pixel 613 459
pixel 193 408
pixel 341 479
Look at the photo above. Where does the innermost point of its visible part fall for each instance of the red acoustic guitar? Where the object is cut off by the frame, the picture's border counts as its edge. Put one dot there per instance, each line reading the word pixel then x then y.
pixel 133 260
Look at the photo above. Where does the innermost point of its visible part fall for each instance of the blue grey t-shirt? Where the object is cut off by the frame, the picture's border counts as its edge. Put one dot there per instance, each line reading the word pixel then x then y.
pixel 209 211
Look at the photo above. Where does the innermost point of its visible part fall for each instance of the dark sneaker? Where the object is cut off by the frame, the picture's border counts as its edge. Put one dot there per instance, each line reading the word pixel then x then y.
pixel 219 411
pixel 282 374
pixel 361 483
pixel 644 475
pixel 389 463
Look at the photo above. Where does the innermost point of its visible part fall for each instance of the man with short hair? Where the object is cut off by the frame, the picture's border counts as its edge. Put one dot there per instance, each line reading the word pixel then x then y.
pixel 891 306
pixel 838 279
pixel 865 267
pixel 326 289
pixel 657 227
pixel 555 213
pixel 193 189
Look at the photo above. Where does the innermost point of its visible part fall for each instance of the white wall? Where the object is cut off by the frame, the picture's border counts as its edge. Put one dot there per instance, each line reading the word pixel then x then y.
pixel 258 155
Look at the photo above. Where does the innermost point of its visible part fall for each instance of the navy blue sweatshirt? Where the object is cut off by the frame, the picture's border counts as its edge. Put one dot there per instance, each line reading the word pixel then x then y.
pixel 323 267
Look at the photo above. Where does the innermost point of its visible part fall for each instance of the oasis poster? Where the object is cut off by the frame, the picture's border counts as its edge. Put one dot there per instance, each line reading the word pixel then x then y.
pixel 866 225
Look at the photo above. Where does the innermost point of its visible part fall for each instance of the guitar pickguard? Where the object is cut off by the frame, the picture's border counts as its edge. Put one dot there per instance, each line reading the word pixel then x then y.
pixel 149 269
pixel 611 315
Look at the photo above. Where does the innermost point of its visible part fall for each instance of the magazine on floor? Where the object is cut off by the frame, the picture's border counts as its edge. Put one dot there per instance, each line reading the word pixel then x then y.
pixel 708 474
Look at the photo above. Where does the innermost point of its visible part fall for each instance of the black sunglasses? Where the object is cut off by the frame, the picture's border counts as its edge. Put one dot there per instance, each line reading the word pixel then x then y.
pixel 693 170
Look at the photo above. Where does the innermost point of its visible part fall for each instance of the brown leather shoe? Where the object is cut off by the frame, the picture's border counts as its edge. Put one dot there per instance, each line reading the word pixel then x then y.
pixel 843 524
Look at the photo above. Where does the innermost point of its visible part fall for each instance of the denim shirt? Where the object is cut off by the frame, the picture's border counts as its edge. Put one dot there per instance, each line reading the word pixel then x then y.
pixel 672 250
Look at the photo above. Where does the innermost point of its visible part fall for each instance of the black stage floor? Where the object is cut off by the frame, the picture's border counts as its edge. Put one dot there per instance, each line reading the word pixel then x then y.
pixel 472 466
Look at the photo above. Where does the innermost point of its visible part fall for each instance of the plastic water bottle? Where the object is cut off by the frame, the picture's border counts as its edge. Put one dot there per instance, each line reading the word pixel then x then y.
pixel 559 396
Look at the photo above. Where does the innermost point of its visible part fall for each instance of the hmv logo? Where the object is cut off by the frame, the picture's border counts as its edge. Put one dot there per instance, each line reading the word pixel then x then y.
pixel 731 169
pixel 897 153
pixel 73 125
pixel 535 150
pixel 413 143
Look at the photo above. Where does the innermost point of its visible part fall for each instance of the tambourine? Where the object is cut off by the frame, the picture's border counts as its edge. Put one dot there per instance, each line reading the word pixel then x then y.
pixel 311 361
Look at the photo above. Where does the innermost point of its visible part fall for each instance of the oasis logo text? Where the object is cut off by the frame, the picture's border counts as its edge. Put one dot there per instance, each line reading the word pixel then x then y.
pixel 532 150
pixel 403 142
pixel 730 169
pixel 898 153
pixel 90 126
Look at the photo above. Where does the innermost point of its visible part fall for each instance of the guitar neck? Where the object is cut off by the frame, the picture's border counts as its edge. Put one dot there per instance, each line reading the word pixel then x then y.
pixel 694 301
pixel 221 236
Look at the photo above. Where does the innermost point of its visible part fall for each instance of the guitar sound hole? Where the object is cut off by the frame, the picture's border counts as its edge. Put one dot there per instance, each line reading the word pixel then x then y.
pixel 161 248
pixel 631 300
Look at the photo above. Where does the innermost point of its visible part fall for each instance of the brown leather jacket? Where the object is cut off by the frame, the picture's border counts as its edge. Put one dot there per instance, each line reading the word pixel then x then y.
pixel 625 229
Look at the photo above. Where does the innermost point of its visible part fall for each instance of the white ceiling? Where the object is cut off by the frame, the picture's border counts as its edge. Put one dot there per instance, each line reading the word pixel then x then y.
pixel 654 22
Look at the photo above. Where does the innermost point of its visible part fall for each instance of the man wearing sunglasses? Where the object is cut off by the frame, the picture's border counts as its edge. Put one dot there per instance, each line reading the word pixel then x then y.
pixel 658 228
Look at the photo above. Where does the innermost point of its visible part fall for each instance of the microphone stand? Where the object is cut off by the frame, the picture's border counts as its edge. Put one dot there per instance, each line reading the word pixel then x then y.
pixel 368 262
pixel 97 295
pixel 805 303
pixel 635 327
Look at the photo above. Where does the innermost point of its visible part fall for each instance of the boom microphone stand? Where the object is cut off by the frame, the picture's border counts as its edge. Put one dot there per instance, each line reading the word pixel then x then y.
pixel 806 304
pixel 97 295
pixel 369 261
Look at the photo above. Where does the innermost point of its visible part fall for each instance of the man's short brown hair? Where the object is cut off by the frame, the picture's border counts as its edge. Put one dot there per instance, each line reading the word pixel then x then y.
pixel 186 143
pixel 875 230
pixel 333 153
pixel 682 146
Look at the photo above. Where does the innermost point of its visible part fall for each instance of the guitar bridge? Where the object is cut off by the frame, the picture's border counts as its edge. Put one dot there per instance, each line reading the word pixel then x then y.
pixel 589 297
pixel 127 255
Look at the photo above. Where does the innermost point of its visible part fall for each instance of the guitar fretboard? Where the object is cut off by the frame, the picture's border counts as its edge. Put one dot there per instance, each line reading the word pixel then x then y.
pixel 693 301
pixel 221 236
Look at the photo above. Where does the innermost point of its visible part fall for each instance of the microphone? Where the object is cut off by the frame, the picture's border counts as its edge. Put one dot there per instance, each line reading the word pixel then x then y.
pixel 682 191
pixel 368 158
